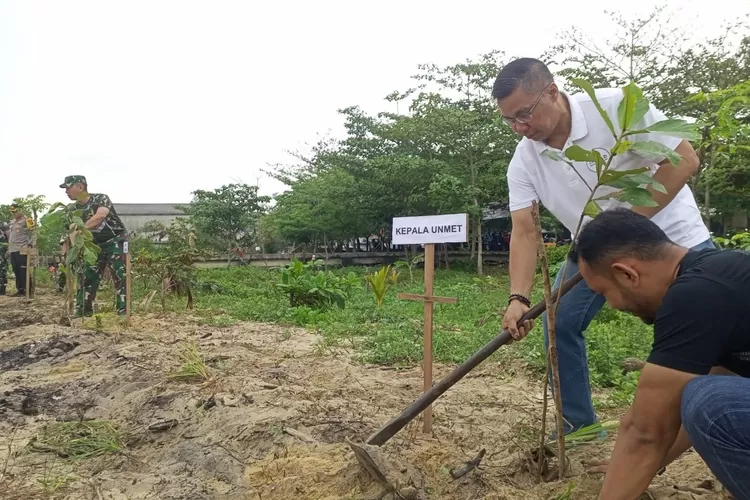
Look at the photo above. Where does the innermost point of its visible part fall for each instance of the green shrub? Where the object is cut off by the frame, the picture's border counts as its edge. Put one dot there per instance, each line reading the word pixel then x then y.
pixel 306 285
pixel 555 258
pixel 739 241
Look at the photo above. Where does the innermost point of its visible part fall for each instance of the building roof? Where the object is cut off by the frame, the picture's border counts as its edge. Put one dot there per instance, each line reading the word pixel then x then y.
pixel 149 208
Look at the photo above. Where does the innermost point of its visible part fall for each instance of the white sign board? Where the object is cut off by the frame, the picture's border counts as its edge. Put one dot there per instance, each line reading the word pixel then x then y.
pixel 451 228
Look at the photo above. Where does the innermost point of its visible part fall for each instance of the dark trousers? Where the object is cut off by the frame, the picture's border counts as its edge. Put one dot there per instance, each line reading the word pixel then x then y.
pixel 18 262
pixel 3 270
pixel 715 412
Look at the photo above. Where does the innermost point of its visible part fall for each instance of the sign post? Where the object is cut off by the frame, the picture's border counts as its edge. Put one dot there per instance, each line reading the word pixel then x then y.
pixel 31 254
pixel 427 231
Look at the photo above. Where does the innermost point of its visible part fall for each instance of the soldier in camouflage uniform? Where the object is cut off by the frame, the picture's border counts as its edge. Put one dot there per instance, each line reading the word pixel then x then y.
pixel 3 257
pixel 101 219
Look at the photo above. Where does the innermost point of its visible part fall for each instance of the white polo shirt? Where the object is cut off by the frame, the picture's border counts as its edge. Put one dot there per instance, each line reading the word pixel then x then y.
pixel 533 176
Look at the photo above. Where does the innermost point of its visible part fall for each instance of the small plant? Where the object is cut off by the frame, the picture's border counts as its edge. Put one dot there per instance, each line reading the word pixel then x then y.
pixel 589 433
pixel 306 287
pixel 629 186
pixel 379 283
pixel 79 440
pixel 169 267
pixel 193 366
pixel 393 276
pixel 567 494
pixel 79 247
pixel 53 483
pixel 402 264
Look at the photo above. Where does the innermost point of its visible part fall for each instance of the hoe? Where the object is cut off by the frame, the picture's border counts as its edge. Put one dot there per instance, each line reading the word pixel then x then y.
pixel 382 435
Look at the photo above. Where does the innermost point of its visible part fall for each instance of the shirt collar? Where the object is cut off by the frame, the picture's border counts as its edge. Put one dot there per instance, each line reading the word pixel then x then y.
pixel 578 128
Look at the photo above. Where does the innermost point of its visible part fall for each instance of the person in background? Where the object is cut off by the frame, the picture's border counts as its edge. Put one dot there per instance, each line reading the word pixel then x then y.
pixel 3 257
pixel 100 217
pixel 22 239
pixel 548 118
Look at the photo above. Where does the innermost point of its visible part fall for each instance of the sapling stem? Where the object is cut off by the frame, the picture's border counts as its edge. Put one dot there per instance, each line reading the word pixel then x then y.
pixel 552 351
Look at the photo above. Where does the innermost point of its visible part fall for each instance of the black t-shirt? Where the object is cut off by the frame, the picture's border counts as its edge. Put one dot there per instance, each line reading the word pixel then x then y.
pixel 704 319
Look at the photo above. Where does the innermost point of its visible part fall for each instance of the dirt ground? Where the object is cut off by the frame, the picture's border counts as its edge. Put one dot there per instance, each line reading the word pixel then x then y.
pixel 270 423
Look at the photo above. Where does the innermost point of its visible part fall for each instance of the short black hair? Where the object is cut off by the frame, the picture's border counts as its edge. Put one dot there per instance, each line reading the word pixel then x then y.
pixel 620 232
pixel 528 73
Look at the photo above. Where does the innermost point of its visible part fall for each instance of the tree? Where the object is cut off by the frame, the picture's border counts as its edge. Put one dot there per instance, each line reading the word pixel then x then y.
pixel 454 121
pixel 726 139
pixel 449 153
pixel 227 216
pixel 671 77
pixel 31 205
pixel 50 233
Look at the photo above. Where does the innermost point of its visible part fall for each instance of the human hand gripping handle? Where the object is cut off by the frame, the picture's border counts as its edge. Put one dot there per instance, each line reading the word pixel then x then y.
pixel 518 305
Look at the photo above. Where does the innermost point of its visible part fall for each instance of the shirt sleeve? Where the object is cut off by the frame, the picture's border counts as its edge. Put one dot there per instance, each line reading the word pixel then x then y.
pixel 653 115
pixel 521 192
pixel 103 201
pixel 693 326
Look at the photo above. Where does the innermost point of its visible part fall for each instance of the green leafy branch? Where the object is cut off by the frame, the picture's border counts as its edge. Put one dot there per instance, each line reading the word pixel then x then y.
pixel 628 184
pixel 81 251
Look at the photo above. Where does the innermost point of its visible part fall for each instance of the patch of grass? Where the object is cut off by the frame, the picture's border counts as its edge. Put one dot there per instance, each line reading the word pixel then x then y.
pixel 79 440
pixel 392 333
pixel 53 483
pixel 193 366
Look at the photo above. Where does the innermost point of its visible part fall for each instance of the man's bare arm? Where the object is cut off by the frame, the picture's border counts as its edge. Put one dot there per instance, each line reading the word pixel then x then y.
pixel 523 251
pixel 649 432
pixel 672 177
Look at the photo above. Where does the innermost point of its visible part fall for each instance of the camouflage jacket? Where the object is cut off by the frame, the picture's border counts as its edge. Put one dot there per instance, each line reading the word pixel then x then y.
pixel 111 226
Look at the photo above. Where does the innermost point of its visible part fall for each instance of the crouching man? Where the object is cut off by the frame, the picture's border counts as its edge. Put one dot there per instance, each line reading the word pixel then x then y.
pixel 689 393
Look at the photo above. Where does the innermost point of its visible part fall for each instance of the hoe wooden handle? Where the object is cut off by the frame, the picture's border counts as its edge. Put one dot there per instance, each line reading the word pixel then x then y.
pixel 399 422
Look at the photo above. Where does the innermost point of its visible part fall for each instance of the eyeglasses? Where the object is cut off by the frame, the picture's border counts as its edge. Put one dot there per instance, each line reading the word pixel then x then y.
pixel 525 117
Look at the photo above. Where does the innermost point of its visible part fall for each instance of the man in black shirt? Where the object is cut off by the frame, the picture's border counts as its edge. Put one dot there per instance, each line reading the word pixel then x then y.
pixel 689 393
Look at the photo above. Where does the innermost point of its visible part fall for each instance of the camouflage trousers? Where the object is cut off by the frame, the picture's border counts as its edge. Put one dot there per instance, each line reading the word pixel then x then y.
pixel 3 271
pixel 111 254
pixel 60 280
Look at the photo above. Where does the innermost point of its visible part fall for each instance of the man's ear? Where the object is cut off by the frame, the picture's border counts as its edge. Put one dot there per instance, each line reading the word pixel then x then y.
pixel 554 92
pixel 625 274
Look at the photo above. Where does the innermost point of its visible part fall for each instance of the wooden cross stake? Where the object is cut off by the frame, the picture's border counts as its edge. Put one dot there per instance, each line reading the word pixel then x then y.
pixel 31 258
pixel 128 282
pixel 429 299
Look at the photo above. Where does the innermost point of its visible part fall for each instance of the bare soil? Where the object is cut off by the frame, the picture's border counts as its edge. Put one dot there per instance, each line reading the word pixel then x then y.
pixel 271 422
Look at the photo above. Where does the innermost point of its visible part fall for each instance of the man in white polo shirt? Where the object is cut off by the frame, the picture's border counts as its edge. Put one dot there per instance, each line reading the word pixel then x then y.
pixel 547 118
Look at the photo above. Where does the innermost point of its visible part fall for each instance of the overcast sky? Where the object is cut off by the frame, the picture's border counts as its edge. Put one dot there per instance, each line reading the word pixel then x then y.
pixel 186 95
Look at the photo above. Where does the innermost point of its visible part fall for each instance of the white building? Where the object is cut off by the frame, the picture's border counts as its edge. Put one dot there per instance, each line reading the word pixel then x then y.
pixel 136 215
